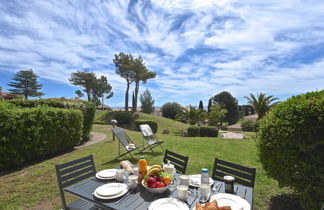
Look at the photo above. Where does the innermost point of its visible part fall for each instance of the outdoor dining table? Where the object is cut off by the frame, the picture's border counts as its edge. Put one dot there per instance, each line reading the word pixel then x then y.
pixel 140 198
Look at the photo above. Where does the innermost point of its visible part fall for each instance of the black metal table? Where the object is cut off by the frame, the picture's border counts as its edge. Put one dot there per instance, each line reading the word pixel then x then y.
pixel 140 198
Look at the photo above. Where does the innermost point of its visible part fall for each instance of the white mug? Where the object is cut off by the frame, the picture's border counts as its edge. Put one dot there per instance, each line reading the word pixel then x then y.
pixel 132 181
pixel 182 192
pixel 184 180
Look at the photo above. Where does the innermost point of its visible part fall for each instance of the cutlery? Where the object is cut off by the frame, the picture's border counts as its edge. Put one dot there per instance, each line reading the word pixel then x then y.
pixel 215 187
pixel 244 193
pixel 220 187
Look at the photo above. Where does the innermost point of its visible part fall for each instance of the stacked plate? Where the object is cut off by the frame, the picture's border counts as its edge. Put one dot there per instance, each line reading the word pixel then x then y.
pixel 195 180
pixel 169 204
pixel 110 191
pixel 106 174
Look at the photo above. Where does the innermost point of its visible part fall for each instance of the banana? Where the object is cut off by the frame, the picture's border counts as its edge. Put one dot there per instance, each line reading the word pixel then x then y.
pixel 155 170
pixel 155 166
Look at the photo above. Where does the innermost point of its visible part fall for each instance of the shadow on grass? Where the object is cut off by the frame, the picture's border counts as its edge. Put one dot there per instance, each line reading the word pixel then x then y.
pixel 285 202
pixel 128 157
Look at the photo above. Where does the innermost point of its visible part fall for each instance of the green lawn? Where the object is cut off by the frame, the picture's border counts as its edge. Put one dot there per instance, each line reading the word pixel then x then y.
pixel 35 186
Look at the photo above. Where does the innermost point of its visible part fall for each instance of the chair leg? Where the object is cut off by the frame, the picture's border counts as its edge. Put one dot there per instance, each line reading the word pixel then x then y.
pixel 162 147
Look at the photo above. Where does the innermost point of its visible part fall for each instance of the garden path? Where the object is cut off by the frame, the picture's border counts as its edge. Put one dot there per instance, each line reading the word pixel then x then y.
pixel 232 135
pixel 95 138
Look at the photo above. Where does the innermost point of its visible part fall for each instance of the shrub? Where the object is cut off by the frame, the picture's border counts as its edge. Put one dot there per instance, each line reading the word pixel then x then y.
pixel 170 110
pixel 208 131
pixel 151 123
pixel 193 131
pixel 87 108
pixel 31 133
pixel 291 146
pixel 248 125
pixel 123 117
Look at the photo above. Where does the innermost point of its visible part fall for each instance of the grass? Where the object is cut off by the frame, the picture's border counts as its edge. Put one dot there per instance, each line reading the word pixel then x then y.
pixel 35 186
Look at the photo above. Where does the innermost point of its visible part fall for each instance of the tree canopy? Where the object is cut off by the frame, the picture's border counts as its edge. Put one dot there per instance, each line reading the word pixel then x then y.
pixel 261 103
pixel 227 101
pixel 25 84
pixel 147 102
pixel 191 115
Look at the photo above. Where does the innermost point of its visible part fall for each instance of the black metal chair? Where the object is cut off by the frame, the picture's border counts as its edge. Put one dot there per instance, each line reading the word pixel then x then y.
pixel 243 175
pixel 150 138
pixel 124 140
pixel 180 162
pixel 72 172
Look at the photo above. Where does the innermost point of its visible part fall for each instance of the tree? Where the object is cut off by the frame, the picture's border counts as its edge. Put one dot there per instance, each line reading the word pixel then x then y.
pixel 142 74
pixel 124 67
pixel 216 114
pixel 147 102
pixel 210 103
pixel 201 105
pixel 227 101
pixel 79 93
pixel 170 109
pixel 26 84
pixel 104 88
pixel 261 103
pixel 88 81
pixel 191 115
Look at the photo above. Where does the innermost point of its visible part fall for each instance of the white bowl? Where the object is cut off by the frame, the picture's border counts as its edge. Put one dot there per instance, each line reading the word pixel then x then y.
pixel 156 190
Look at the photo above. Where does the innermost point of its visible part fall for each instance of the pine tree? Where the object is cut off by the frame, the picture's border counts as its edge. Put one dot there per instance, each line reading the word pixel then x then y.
pixel 26 84
pixel 201 105
pixel 147 102
pixel 210 103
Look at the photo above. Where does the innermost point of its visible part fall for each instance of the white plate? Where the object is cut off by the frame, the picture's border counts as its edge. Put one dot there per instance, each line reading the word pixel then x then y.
pixel 234 201
pixel 197 180
pixel 123 191
pixel 109 190
pixel 169 204
pixel 106 174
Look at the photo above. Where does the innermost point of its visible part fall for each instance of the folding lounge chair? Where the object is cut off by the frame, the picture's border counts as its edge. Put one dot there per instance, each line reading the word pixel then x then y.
pixel 124 140
pixel 150 138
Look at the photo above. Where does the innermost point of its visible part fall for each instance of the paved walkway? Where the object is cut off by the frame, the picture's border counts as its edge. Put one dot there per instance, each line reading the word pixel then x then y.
pixel 95 138
pixel 232 135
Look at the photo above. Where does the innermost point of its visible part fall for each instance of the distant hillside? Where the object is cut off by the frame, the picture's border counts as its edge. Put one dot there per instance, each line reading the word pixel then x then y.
pixel 163 123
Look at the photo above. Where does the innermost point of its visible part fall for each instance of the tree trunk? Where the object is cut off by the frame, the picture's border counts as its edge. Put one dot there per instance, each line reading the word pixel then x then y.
pixel 136 95
pixel 126 96
pixel 102 101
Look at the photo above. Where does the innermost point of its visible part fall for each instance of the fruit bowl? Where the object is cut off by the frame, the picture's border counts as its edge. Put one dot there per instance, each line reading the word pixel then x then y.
pixel 156 190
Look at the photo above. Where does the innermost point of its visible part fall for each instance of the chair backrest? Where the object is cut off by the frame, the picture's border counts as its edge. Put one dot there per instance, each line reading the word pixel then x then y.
pixel 146 130
pixel 243 175
pixel 180 162
pixel 72 172
pixel 121 136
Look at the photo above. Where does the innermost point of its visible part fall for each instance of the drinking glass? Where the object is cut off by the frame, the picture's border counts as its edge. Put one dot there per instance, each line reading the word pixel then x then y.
pixel 204 193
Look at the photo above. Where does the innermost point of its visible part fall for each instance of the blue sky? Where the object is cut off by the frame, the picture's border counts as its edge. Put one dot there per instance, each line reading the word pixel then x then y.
pixel 198 48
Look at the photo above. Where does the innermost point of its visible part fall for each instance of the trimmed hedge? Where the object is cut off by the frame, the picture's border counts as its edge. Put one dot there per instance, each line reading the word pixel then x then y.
pixel 291 146
pixel 208 131
pixel 248 125
pixel 151 123
pixel 30 133
pixel 123 117
pixel 202 131
pixel 87 108
pixel 193 131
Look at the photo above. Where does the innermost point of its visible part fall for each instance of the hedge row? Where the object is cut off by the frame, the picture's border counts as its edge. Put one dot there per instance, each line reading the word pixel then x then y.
pixel 87 108
pixel 30 133
pixel 202 131
pixel 151 123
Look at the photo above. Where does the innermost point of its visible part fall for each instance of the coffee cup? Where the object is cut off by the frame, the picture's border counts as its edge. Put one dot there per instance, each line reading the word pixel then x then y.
pixel 184 180
pixel 182 192
pixel 132 181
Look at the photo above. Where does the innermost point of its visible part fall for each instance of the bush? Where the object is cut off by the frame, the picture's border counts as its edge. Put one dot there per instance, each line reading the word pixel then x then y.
pixel 291 146
pixel 170 110
pixel 151 123
pixel 208 131
pixel 87 108
pixel 248 125
pixel 123 117
pixel 31 133
pixel 193 131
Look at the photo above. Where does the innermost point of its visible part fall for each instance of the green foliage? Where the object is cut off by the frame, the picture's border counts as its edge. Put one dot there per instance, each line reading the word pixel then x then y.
pixel 201 105
pixel 227 101
pixel 26 84
pixel 191 115
pixel 261 104
pixel 32 133
pixel 248 125
pixel 208 131
pixel 151 123
pixel 291 146
pixel 170 110
pixel 210 103
pixel 193 131
pixel 217 114
pixel 147 102
pixel 87 108
pixel 123 117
